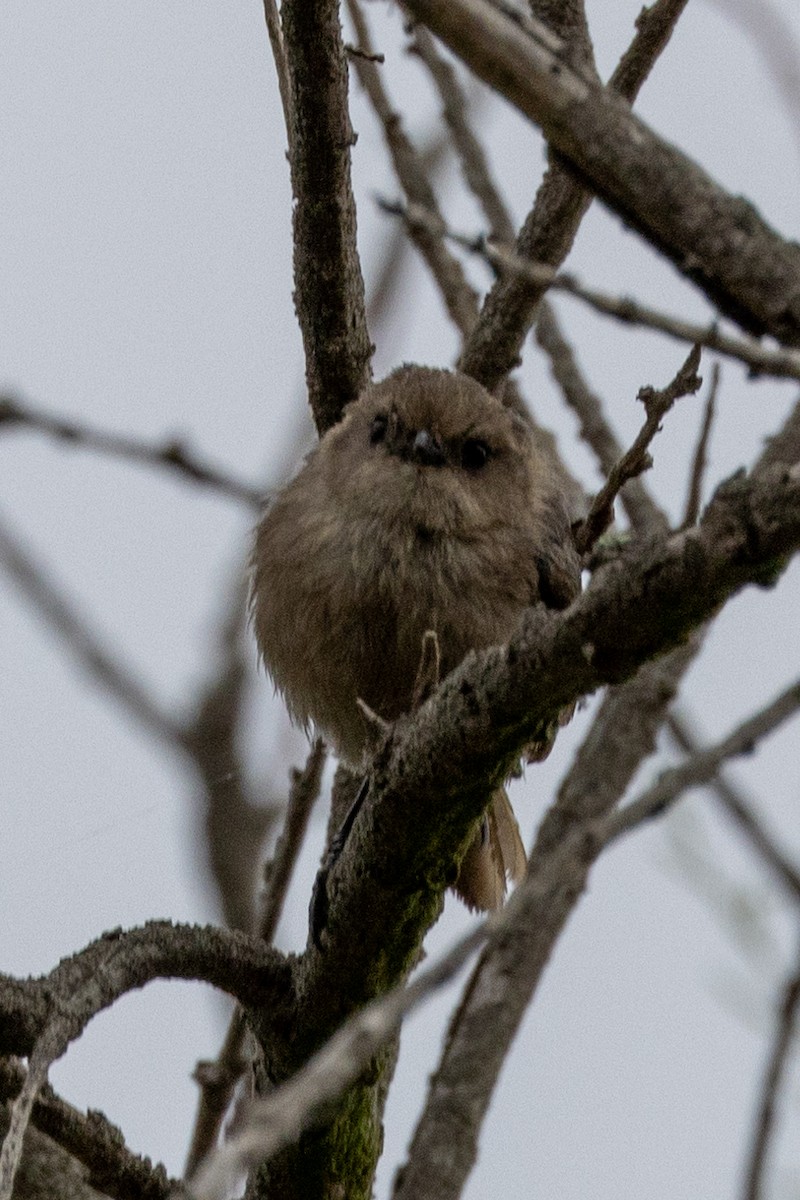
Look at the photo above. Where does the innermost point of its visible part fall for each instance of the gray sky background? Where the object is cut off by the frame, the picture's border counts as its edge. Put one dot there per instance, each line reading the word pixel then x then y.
pixel 146 264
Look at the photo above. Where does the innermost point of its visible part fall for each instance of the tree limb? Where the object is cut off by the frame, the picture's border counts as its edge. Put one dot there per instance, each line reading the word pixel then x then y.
pixel 717 240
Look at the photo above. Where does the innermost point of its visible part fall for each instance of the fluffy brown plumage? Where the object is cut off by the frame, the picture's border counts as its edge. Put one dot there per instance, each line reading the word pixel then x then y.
pixel 427 507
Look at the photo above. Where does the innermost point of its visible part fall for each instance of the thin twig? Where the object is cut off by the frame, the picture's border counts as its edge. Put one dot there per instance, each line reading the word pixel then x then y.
pixel 217 1081
pixel 642 511
pixel 172 455
pixel 734 804
pixel 774 1075
pixel 700 461
pixel 99 662
pixel 703 765
pixel 637 459
pixel 783 364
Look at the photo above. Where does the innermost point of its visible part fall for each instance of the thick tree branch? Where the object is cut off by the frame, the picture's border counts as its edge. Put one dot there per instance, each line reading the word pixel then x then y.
pixel 549 230
pixel 329 289
pixel 93 1141
pixel 717 240
pixel 81 986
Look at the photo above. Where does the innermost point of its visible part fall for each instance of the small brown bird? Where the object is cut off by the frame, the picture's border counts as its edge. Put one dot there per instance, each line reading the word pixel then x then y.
pixel 427 508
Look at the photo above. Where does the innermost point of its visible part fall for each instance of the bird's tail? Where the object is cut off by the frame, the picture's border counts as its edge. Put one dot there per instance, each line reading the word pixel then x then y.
pixel 495 855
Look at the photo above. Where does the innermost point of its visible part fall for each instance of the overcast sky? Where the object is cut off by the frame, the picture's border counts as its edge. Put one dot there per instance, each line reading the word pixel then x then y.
pixel 146 266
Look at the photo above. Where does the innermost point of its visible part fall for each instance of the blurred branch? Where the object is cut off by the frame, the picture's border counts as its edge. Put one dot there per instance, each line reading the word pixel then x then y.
pixel 548 232
pixel 703 765
pixel 100 663
pixel 236 823
pixel 470 152
pixel 303 795
pixel 172 455
pixel 717 240
pixel 329 289
pixel 218 1079
pixel 409 166
pixel 783 364
pixel 774 1074
pixel 279 1119
pixel 699 463
pixel 741 812
pixel 637 459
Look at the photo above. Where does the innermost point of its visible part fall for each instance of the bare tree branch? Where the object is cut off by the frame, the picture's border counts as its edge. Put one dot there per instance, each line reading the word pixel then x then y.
pixel 83 985
pixel 774 1074
pixel 444 1144
pixel 549 229
pixel 643 513
pixel 735 805
pixel 329 289
pixel 699 463
pixel 93 1141
pixel 470 152
pixel 218 1079
pixel 703 765
pixel 118 962
pixel 716 240
pixel 172 455
pixel 458 296
pixel 237 823
pixel 637 459
pixel 275 34
pixel 303 795
pixel 762 360
pixel 100 663
pixel 280 1119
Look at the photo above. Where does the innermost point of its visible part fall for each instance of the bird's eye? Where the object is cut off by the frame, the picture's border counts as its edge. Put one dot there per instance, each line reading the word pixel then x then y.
pixel 474 454
pixel 377 429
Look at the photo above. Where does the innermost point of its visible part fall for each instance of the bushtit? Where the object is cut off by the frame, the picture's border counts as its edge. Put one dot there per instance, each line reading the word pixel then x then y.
pixel 428 507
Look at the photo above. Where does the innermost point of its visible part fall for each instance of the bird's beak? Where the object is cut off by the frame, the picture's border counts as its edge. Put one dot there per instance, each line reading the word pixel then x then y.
pixel 426 450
